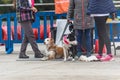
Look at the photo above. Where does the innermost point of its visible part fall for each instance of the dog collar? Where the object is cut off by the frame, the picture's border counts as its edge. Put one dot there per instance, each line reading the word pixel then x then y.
pixel 65 40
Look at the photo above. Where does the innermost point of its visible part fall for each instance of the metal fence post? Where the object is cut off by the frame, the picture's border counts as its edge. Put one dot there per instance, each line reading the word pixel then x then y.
pixel 9 43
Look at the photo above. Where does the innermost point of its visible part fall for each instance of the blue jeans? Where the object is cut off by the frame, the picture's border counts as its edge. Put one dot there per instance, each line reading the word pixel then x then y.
pixel 79 36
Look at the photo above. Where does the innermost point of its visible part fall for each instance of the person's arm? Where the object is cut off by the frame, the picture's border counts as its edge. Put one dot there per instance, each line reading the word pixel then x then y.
pixel 70 12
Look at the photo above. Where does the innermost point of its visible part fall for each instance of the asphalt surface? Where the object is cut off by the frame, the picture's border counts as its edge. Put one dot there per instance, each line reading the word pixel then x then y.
pixel 13 69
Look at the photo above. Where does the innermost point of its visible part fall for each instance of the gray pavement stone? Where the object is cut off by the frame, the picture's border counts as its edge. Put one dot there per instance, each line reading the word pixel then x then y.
pixel 10 69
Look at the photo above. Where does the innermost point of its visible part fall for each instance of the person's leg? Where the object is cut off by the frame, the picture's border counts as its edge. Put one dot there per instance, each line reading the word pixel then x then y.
pixel 100 26
pixel 23 48
pixel 88 42
pixel 109 55
pixel 30 36
pixel 107 41
pixel 105 34
pixel 24 44
pixel 105 38
pixel 79 34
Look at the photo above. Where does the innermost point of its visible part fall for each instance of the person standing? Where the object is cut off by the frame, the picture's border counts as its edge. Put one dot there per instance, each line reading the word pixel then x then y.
pixel 100 10
pixel 25 11
pixel 83 24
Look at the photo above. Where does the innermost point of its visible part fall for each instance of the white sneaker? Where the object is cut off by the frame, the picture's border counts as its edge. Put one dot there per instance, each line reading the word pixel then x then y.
pixel 92 58
pixel 83 58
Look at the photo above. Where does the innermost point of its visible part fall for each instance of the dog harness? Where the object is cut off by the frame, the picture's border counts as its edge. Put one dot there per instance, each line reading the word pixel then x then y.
pixel 65 40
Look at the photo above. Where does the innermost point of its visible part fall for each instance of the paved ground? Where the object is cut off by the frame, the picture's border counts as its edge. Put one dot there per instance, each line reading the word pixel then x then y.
pixel 10 69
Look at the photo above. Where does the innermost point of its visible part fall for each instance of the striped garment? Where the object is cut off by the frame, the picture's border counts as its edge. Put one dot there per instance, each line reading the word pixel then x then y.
pixel 24 13
pixel 101 7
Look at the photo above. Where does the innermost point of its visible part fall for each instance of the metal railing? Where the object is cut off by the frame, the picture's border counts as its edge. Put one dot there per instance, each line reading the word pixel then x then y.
pixel 117 3
pixel 36 4
pixel 41 18
pixel 11 33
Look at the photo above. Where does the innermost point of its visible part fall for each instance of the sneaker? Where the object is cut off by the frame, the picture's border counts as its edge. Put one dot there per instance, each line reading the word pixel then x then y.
pixel 98 56
pixel 83 58
pixel 107 58
pixel 92 58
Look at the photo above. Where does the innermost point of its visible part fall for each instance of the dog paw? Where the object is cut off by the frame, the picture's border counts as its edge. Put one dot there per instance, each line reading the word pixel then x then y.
pixel 73 59
pixel 44 58
pixel 65 59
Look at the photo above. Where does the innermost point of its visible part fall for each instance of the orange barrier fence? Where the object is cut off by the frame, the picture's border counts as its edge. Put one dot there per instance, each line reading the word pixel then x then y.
pixel 35 31
pixel 96 49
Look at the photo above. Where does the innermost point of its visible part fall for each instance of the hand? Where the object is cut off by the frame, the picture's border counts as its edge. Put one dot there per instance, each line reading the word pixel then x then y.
pixel 34 9
pixel 113 16
pixel 69 21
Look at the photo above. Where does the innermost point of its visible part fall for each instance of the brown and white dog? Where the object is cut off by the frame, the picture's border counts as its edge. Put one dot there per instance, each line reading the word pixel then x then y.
pixel 52 51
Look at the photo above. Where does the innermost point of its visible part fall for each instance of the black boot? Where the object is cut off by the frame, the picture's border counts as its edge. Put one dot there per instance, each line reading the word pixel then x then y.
pixel 23 56
pixel 39 55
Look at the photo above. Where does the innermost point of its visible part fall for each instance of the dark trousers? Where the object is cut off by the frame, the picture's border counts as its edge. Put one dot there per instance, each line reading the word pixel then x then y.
pixel 102 34
pixel 28 38
pixel 87 34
